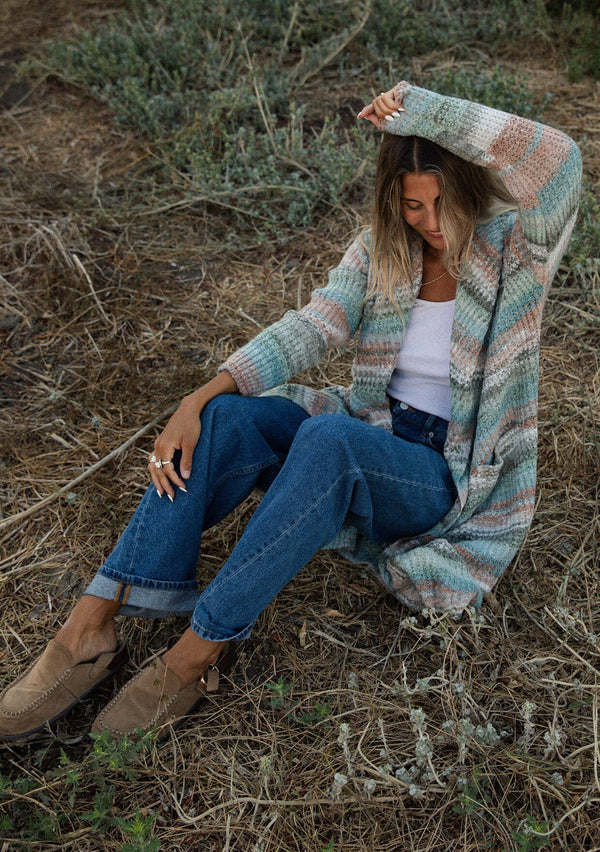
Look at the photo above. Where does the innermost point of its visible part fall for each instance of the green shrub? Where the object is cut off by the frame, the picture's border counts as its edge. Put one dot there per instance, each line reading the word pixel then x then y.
pixel 583 255
pixel 584 56
pixel 410 28
pixel 213 87
pixel 220 90
pixel 578 32
pixel 496 88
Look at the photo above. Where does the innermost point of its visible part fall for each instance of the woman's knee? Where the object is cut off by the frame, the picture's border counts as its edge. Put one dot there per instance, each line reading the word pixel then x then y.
pixel 323 435
pixel 225 407
pixel 227 415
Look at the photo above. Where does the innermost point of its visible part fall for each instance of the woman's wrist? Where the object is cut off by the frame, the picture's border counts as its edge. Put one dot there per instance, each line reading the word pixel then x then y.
pixel 223 382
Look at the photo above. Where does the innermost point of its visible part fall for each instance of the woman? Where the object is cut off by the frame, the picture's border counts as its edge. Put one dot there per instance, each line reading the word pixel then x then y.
pixel 424 469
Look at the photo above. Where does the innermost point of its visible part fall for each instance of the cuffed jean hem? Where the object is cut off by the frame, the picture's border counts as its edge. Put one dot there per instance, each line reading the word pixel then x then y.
pixel 211 636
pixel 143 601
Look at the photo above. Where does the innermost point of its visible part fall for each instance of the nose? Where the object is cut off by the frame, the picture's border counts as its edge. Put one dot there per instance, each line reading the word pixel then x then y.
pixel 431 219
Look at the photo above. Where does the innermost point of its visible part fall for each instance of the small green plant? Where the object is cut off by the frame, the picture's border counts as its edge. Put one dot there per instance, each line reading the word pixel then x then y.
pixel 138 832
pixel 318 714
pixel 30 812
pixel 279 692
pixel 26 809
pixel 101 815
pixel 533 835
pixel 474 796
pixel 118 755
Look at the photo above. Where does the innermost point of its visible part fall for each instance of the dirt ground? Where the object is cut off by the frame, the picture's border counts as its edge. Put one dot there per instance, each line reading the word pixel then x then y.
pixel 111 309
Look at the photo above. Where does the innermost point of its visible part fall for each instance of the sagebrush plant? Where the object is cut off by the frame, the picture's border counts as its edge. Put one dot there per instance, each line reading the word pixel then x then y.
pixel 583 256
pixel 579 28
pixel 220 90
pixel 494 86
pixel 447 755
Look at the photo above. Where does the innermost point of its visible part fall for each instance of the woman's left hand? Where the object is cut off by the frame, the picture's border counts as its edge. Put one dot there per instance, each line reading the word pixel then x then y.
pixel 382 108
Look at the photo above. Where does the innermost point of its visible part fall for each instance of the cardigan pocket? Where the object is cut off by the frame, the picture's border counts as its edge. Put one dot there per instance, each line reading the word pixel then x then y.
pixel 483 478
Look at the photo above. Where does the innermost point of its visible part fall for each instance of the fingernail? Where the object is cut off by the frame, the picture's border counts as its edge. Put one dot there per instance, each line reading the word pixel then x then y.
pixel 159 494
pixel 170 498
pixel 398 111
pixel 181 488
pixel 360 114
pixel 185 474
pixel 389 118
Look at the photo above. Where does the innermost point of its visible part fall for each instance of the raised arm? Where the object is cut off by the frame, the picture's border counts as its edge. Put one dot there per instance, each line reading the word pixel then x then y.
pixel 539 165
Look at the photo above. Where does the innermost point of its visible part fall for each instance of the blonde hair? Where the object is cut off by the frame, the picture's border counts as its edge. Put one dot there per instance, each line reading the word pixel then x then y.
pixel 469 195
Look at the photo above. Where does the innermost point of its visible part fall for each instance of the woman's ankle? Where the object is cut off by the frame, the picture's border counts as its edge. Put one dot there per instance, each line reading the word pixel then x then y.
pixel 90 628
pixel 190 656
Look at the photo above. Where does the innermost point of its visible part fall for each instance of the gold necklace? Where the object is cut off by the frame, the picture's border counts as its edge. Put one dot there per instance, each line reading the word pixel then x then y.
pixel 433 280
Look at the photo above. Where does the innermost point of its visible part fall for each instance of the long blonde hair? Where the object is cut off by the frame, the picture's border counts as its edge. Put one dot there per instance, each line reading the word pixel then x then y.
pixel 469 195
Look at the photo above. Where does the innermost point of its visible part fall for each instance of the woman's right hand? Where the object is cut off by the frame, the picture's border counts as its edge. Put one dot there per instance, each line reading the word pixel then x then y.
pixel 182 433
pixel 383 107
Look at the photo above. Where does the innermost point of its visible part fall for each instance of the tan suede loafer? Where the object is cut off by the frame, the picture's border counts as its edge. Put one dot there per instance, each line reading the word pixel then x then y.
pixel 51 686
pixel 155 698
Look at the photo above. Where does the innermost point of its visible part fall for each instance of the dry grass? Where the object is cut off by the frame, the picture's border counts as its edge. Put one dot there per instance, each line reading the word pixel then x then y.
pixel 107 316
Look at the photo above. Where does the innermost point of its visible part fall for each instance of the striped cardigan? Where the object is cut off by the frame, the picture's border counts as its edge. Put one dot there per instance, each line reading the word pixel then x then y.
pixel 494 361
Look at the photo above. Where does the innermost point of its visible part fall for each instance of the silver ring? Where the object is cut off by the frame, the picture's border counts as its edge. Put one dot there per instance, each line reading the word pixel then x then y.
pixel 152 459
pixel 167 462
pixel 158 463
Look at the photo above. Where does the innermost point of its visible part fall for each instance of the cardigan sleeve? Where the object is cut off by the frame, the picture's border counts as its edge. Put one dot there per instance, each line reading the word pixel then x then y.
pixel 539 165
pixel 300 339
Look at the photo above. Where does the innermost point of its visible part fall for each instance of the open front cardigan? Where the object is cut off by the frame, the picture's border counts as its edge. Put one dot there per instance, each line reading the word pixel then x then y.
pixel 494 361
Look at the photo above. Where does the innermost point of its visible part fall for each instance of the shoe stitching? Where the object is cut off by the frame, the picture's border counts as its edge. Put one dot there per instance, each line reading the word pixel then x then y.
pixel 114 701
pixel 164 712
pixel 16 714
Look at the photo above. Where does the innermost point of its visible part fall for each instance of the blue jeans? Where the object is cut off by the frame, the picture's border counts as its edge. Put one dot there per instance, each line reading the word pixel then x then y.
pixel 318 473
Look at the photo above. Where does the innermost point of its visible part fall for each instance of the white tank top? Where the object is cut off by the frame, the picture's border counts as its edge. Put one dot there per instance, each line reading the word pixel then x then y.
pixel 422 374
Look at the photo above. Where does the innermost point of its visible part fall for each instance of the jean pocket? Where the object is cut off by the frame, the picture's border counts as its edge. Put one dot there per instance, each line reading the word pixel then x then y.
pixel 437 441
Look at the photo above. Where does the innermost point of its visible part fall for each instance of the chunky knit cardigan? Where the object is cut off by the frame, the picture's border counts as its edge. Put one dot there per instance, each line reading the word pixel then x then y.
pixel 494 362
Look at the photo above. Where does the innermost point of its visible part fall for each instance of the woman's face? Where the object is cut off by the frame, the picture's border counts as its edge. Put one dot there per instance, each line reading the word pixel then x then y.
pixel 420 198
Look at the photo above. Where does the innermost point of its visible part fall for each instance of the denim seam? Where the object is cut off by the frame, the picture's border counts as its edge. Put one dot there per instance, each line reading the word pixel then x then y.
pixel 136 580
pixel 402 479
pixel 244 471
pixel 138 534
pixel 265 549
